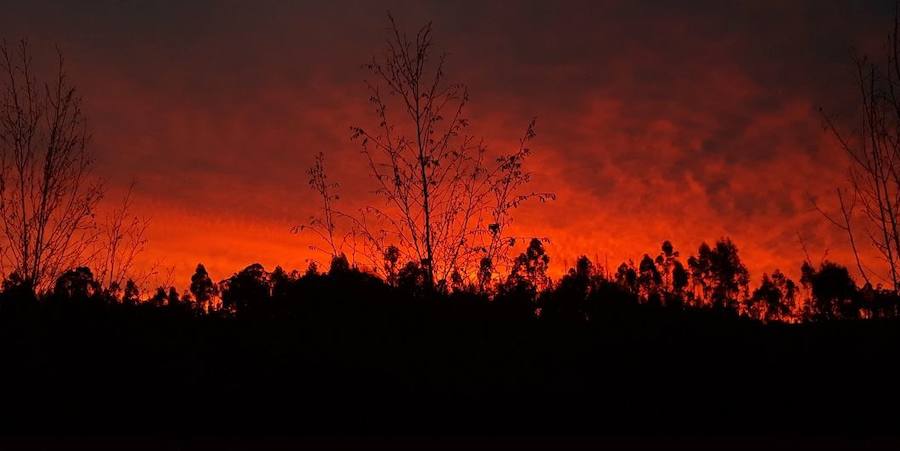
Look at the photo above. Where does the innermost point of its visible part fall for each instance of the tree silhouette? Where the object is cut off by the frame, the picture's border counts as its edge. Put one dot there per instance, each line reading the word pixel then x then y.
pixel 526 279
pixel 391 261
pixel 76 284
pixel 160 297
pixel 485 275
pixel 531 266
pixel 282 283
pixel 680 280
pixel 248 289
pixel 504 187
pixel 172 298
pixel 569 299
pixel 627 277
pixel 774 299
pixel 446 207
pixel 122 237
pixel 339 265
pixel 833 291
pixel 720 274
pixel 650 280
pixel 202 287
pixel 412 279
pixel 324 226
pixel 47 197
pixel 673 275
pixel 15 287
pixel 132 294
pixel 873 147
pixel 312 268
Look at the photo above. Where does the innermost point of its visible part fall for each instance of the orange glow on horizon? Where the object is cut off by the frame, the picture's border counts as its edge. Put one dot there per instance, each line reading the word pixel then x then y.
pixel 690 133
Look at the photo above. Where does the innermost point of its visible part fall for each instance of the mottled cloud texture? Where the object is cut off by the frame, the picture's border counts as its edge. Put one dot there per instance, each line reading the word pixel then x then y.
pixel 686 121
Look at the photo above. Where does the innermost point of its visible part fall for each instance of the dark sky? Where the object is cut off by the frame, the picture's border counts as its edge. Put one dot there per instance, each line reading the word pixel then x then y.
pixel 656 120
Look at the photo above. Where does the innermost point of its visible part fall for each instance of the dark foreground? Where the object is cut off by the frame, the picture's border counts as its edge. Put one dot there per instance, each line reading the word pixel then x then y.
pixel 340 367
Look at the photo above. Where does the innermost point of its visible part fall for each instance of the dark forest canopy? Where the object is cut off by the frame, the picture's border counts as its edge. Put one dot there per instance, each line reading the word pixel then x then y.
pixel 639 351
pixel 713 280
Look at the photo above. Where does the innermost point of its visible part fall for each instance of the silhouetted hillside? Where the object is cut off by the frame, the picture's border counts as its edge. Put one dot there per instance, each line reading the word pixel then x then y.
pixel 344 353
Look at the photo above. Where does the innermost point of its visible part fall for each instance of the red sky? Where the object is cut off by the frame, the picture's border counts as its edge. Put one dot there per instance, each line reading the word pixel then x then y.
pixel 688 122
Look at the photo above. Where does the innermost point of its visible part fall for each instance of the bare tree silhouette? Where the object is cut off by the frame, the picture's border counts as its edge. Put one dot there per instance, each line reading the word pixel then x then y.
pixel 446 207
pixel 47 197
pixel 325 225
pixel 874 174
pixel 123 236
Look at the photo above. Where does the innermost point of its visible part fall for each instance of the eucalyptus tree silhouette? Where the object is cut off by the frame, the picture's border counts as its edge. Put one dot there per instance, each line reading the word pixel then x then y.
pixel 649 280
pixel 202 287
pixel 720 275
pixel 673 275
pixel 132 294
pixel 627 277
pixel 774 299
pixel 18 291
pixel 160 297
pixel 339 265
pixel 411 278
pixel 531 266
pixel 527 278
pixel 833 292
pixel 282 283
pixel 76 284
pixel 878 302
pixel 172 298
pixel 247 290
pixel 569 300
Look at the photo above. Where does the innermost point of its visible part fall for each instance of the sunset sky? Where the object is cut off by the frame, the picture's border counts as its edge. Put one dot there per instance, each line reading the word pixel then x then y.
pixel 685 121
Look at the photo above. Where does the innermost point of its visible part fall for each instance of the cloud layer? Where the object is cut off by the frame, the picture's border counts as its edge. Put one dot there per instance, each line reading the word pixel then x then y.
pixel 677 121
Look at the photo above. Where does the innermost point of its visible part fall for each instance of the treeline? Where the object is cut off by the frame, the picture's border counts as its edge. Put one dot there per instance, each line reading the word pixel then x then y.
pixel 714 280
pixel 663 346
pixel 443 231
